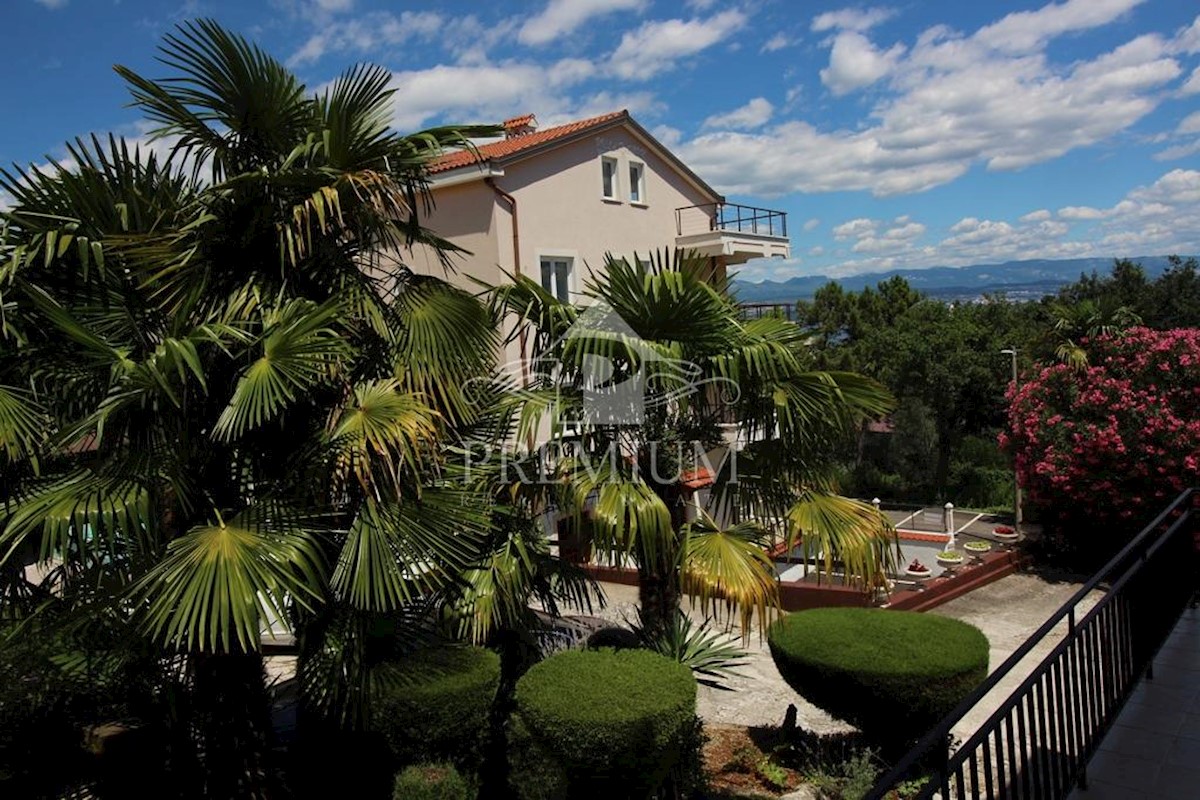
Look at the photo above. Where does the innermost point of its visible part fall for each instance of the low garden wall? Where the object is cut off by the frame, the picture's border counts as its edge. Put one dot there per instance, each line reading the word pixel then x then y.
pixel 922 596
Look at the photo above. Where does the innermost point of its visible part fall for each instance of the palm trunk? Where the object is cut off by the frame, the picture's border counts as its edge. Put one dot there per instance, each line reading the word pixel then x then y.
pixel 232 725
pixel 660 585
pixel 659 596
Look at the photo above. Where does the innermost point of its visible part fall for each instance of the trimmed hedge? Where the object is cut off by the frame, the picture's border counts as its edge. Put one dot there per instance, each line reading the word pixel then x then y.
pixel 601 723
pixel 431 782
pixel 892 674
pixel 438 704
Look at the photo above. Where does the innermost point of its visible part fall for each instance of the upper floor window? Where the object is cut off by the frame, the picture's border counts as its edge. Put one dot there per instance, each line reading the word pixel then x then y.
pixel 556 277
pixel 608 170
pixel 637 182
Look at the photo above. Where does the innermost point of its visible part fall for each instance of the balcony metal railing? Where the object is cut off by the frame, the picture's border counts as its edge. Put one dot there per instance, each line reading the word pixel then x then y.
pixel 1037 743
pixel 730 217
pixel 758 310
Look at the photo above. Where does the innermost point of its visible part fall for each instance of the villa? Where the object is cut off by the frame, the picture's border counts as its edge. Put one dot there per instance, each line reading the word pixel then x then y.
pixel 550 203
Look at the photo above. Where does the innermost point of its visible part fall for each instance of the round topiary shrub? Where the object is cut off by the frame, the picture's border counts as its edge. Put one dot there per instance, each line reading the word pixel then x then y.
pixel 892 674
pixel 437 703
pixel 431 782
pixel 600 723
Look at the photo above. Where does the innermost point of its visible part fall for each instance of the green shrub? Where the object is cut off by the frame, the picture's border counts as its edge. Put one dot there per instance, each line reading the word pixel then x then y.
pixel 893 674
pixel 437 705
pixel 602 723
pixel 431 782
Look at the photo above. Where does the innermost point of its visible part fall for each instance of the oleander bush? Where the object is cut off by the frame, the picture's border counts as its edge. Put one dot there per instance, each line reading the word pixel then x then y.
pixel 440 781
pixel 603 723
pixel 1102 449
pixel 892 674
pixel 437 706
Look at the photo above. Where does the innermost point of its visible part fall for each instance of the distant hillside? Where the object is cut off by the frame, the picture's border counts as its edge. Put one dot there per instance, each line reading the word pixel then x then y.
pixel 1017 279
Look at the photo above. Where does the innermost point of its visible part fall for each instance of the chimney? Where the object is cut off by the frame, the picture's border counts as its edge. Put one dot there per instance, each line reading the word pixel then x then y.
pixel 519 126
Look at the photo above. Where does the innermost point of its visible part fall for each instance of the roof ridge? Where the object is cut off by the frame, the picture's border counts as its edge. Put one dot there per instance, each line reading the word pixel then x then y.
pixel 513 145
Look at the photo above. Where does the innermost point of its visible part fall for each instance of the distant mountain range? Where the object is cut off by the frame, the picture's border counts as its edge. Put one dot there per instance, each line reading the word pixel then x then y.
pixel 1018 280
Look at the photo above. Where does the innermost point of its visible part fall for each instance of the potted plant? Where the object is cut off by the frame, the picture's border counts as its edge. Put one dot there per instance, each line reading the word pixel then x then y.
pixel 977 548
pixel 950 557
pixel 1005 533
pixel 917 570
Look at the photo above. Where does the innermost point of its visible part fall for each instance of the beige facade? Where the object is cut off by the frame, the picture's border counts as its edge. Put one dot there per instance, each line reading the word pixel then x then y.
pixel 562 213
pixel 569 195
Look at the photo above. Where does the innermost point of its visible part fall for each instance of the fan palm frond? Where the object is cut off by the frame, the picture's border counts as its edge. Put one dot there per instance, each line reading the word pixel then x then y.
pixel 218 584
pixel 839 532
pixel 397 553
pixel 730 565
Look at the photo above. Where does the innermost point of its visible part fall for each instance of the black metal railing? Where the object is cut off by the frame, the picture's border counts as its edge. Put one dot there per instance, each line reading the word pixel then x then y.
pixel 1039 739
pixel 730 217
pixel 759 310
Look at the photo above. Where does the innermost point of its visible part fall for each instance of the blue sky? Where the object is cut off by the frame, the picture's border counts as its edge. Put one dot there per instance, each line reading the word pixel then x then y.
pixel 908 134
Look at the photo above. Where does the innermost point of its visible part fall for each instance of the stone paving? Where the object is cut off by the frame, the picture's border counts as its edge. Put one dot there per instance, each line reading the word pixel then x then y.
pixel 1007 611
pixel 1153 749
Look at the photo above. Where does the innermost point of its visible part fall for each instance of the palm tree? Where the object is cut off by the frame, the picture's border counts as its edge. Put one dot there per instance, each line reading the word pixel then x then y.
pixel 222 397
pixel 667 327
pixel 1086 319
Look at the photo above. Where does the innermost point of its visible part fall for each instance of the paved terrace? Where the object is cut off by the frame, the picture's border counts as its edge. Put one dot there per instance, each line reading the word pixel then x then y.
pixel 1007 611
pixel 1153 750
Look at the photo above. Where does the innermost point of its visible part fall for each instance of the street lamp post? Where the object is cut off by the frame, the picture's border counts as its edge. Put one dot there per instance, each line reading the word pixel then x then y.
pixel 1012 351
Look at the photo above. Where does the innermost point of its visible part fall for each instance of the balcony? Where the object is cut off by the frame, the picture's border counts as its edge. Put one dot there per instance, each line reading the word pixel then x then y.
pixel 733 232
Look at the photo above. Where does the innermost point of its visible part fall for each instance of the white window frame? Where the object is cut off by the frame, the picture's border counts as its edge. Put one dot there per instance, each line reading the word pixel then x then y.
pixel 638 185
pixel 616 178
pixel 558 257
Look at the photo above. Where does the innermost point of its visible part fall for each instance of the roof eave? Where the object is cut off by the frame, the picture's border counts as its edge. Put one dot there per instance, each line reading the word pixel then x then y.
pixel 466 174
pixel 623 119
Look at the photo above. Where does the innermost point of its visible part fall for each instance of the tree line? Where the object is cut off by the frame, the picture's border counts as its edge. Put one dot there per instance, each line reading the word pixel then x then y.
pixel 943 362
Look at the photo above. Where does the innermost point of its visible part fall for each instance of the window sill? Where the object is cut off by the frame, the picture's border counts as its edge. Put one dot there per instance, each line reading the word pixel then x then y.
pixel 616 201
pixel 638 204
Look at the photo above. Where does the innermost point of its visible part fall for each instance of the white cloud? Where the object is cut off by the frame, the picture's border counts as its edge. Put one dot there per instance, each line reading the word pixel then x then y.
pixel 667 135
pixel 1081 213
pixel 948 103
pixel 855 228
pixel 811 224
pixel 1025 31
pixel 869 238
pixel 776 42
pixel 855 63
pixel 1192 85
pixel 1178 151
pixel 852 19
pixel 51 4
pixel 1188 39
pixel 561 17
pixel 655 47
pixel 367 33
pixel 754 114
pixel 1157 219
pixel 1189 124
pixel 486 92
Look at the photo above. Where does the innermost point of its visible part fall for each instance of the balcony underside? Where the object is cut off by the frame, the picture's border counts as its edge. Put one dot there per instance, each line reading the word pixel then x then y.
pixel 734 246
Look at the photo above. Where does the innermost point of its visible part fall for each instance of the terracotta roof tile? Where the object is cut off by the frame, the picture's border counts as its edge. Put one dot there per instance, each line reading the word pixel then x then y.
pixel 509 147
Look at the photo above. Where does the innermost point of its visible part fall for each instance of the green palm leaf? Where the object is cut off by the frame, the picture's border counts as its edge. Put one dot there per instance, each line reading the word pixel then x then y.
pixel 381 433
pixel 849 533
pixel 397 553
pixel 216 583
pixel 730 565
pixel 23 424
pixel 299 348
pixel 80 516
